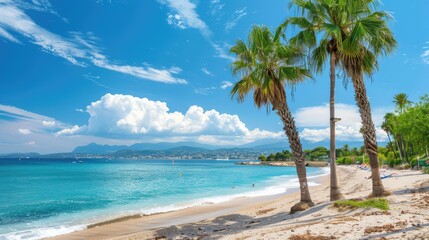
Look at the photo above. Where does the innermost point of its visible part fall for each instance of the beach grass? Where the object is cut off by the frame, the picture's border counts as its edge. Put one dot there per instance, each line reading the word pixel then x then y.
pixel 380 203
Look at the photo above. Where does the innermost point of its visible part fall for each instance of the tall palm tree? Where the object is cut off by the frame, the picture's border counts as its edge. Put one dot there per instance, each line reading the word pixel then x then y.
pixel 318 17
pixel 265 66
pixel 401 101
pixel 366 37
pixel 354 34
pixel 387 126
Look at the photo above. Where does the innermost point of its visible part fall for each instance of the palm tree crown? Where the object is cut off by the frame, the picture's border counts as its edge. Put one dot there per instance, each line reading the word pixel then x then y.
pixel 265 65
pixel 401 101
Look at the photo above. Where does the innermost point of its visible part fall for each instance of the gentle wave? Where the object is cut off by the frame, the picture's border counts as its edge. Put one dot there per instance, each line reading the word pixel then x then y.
pixel 276 185
pixel 39 233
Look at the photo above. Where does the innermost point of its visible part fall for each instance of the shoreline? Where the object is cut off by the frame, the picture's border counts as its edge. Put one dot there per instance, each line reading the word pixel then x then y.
pixel 269 218
pixel 130 224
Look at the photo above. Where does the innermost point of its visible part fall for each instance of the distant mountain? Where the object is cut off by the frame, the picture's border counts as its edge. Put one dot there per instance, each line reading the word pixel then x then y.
pixel 94 148
pixel 187 147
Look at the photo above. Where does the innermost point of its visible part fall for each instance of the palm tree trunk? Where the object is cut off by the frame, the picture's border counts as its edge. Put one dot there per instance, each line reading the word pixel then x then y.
pixel 295 145
pixel 399 149
pixel 368 135
pixel 390 144
pixel 335 190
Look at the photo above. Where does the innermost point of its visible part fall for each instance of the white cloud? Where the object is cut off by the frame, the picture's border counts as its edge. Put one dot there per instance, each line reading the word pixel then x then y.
pixel 235 18
pixel 158 75
pixel 22 114
pixel 68 131
pixel 315 122
pixel 216 7
pixel 24 131
pixel 186 16
pixel 223 51
pixel 49 123
pixel 204 91
pixel 43 137
pixel 206 71
pixel 8 36
pixel 125 116
pixel 176 20
pixel 226 84
pixel 79 50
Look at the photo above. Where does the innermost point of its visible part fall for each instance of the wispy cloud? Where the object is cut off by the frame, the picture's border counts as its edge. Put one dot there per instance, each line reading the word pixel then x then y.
pixel 226 84
pixel 425 54
pixel 24 131
pixel 222 51
pixel 235 18
pixel 184 15
pixel 80 49
pixel 216 7
pixel 206 71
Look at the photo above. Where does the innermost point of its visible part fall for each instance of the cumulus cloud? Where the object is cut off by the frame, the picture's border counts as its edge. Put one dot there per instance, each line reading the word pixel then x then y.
pixel 235 18
pixel 80 49
pixel 68 131
pixel 126 116
pixel 315 123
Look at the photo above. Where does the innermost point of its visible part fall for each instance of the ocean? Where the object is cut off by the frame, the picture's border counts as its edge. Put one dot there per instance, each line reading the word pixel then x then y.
pixel 47 197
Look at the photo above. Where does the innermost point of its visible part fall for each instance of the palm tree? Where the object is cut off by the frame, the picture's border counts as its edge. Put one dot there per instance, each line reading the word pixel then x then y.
pixel 319 18
pixel 402 102
pixel 265 66
pixel 353 34
pixel 366 37
pixel 387 126
pixel 346 149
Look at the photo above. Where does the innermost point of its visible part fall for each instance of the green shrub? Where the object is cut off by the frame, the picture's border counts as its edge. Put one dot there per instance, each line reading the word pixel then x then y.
pixel 340 160
pixel 426 170
pixel 379 203
pixel 413 163
pixel 348 160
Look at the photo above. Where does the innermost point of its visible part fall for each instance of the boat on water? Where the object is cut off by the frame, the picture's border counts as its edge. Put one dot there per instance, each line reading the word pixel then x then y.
pixel 222 159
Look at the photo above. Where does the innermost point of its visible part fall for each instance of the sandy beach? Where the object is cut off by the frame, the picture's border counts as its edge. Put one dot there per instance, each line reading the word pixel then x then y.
pixel 269 218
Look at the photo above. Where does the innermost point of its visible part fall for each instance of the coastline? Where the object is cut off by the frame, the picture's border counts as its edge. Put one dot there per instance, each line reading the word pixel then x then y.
pixel 269 218
pixel 131 224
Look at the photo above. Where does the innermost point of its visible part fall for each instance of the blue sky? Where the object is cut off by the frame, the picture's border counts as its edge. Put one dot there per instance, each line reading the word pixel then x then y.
pixel 121 72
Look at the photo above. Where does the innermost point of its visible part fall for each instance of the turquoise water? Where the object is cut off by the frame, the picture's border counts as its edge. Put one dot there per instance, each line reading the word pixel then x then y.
pixel 42 198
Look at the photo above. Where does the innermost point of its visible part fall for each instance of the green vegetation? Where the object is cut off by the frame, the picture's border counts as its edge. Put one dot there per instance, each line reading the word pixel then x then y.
pixel 379 203
pixel 408 131
pixel 426 170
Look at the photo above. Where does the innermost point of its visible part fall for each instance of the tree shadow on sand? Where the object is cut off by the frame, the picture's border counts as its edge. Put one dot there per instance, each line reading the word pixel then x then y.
pixel 237 223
